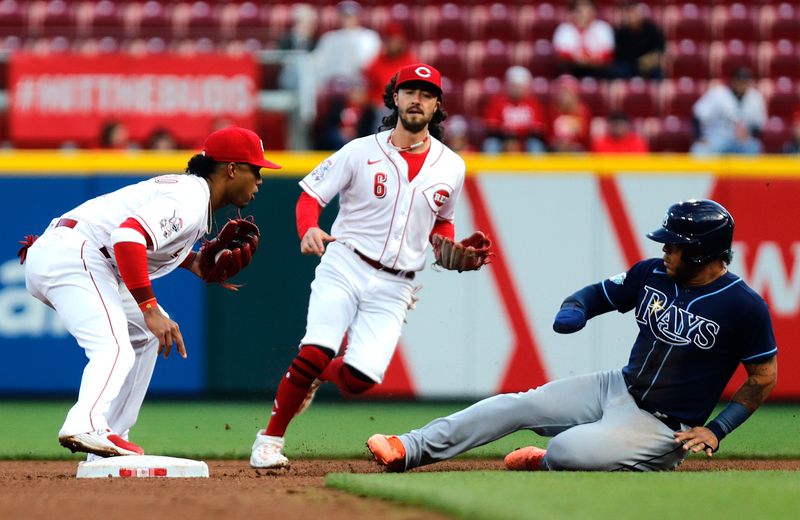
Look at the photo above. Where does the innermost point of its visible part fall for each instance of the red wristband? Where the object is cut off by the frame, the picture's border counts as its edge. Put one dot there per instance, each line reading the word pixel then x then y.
pixel 149 304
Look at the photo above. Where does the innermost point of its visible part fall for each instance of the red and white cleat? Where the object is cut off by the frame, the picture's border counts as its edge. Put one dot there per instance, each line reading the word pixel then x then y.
pixel 104 443
pixel 525 459
pixel 388 451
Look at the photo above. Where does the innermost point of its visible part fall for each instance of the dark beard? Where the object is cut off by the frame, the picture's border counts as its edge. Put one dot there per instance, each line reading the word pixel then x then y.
pixel 414 128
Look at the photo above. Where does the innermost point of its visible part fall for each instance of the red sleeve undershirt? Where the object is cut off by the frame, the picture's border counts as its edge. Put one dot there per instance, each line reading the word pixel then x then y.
pixel 307 213
pixel 132 263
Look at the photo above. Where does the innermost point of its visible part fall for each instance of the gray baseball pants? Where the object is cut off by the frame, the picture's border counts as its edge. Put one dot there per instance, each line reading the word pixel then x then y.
pixel 595 424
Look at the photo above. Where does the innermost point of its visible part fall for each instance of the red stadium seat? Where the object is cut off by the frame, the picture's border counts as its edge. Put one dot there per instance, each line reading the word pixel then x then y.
pixel 202 21
pixel 636 97
pixel 782 97
pixel 13 19
pixel 445 22
pixel 154 21
pixel 541 59
pixel 687 58
pixel 448 57
pixel 595 95
pixel 57 19
pixel 781 22
pixel 491 58
pixel 672 135
pixel 106 20
pixel 775 134
pixel 727 57
pixel 544 22
pixel 780 59
pixel 495 22
pixel 454 97
pixel 687 22
pixel 734 22
pixel 248 22
pixel 677 97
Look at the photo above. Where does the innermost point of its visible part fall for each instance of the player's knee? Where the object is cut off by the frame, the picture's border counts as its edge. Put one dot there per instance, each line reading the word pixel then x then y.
pixel 563 455
pixel 354 381
pixel 309 364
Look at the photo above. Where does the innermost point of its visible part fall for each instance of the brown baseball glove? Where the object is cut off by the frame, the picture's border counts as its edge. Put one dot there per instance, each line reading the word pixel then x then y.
pixel 225 255
pixel 470 254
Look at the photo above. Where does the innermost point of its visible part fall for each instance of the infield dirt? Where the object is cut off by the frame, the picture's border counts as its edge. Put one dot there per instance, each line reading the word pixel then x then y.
pixel 49 489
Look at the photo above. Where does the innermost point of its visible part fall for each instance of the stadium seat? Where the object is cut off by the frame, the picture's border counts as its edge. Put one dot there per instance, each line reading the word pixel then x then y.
pixel 775 134
pixel 57 19
pixel 541 59
pixel 779 59
pixel 687 58
pixel 782 97
pixel 154 21
pixel 454 97
pixel 447 56
pixel 202 22
pixel 725 58
pixel 447 21
pixel 781 22
pixel 491 58
pixel 636 97
pixel 105 20
pixel 672 135
pixel 495 22
pixel 248 22
pixel 13 19
pixel 734 22
pixel 544 22
pixel 595 95
pixel 677 97
pixel 687 22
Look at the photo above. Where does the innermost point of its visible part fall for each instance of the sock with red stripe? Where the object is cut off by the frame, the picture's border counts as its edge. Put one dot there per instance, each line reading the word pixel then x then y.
pixel 292 390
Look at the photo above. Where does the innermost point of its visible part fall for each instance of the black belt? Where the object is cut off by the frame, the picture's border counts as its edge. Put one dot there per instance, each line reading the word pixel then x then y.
pixel 380 267
pixel 672 423
pixel 71 223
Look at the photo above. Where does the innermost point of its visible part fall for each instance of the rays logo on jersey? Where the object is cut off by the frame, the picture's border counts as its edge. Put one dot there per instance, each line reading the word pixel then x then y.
pixel 319 172
pixel 673 325
pixel 171 225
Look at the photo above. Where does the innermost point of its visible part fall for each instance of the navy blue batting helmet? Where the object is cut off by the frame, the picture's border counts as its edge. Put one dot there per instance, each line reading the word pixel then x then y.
pixel 704 227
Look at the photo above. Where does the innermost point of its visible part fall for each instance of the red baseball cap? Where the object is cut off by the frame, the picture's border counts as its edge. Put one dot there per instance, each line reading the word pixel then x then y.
pixel 235 144
pixel 419 72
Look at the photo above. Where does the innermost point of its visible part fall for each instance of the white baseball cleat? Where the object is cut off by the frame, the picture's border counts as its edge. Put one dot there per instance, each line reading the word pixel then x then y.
pixel 312 391
pixel 266 452
pixel 104 443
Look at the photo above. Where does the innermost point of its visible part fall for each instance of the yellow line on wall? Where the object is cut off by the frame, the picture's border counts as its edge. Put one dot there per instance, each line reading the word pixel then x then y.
pixel 67 163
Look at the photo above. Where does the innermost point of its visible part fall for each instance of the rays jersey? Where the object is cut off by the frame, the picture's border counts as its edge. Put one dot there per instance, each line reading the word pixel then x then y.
pixel 691 339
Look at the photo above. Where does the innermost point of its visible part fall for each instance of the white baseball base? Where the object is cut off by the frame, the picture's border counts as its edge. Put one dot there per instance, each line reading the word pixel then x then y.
pixel 143 466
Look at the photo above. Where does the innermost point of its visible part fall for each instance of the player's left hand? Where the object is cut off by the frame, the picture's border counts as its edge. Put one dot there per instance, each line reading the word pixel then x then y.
pixel 698 439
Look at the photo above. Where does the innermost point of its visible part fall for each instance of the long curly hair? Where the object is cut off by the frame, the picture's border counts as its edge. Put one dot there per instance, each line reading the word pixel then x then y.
pixel 435 127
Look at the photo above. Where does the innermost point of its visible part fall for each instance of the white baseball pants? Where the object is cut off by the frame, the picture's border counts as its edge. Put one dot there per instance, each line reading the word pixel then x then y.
pixel 66 270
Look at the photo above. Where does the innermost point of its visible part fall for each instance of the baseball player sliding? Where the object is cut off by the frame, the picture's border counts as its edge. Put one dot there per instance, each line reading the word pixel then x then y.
pixel 94 264
pixel 697 321
pixel 397 191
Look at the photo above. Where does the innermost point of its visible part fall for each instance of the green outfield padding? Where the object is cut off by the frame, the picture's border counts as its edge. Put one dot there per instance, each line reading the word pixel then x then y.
pixel 489 495
pixel 218 430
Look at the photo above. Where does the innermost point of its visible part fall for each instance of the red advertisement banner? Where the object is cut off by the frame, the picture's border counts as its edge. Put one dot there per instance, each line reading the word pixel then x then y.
pixel 69 98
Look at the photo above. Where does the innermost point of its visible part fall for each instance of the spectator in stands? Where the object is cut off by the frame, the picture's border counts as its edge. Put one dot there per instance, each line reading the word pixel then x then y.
pixel 793 145
pixel 346 51
pixel 513 120
pixel 619 137
pixel 348 116
pixel 457 134
pixel 302 36
pixel 584 45
pixel 638 44
pixel 569 118
pixel 394 55
pixel 114 136
pixel 729 118
pixel 162 140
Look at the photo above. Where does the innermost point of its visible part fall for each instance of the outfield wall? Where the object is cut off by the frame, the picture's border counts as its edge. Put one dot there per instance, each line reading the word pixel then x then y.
pixel 558 223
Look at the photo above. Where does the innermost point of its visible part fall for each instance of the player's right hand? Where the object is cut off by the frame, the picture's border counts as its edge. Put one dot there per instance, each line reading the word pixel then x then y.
pixel 166 330
pixel 570 318
pixel 314 241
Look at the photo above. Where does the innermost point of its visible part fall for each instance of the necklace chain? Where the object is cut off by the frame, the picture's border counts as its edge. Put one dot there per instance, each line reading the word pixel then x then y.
pixel 406 148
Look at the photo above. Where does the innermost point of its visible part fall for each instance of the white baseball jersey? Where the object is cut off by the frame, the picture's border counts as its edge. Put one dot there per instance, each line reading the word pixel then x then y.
pixel 381 213
pixel 594 41
pixel 173 210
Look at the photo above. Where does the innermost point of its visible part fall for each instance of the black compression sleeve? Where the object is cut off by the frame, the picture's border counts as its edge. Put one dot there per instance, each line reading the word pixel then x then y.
pixel 591 299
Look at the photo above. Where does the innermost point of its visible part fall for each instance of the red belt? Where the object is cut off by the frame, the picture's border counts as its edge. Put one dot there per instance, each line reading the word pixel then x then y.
pixel 71 223
pixel 380 267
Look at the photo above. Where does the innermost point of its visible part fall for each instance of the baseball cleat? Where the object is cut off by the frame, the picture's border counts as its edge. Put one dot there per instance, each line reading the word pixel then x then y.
pixel 525 459
pixel 266 452
pixel 312 391
pixel 104 443
pixel 388 451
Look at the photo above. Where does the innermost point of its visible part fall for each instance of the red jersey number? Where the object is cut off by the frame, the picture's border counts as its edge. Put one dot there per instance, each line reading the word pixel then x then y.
pixel 379 188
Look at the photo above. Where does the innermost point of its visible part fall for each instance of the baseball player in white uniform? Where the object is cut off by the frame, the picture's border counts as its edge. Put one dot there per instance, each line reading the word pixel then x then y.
pixel 396 189
pixel 94 264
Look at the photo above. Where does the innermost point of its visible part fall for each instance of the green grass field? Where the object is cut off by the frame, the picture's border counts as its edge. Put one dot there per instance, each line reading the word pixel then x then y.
pixel 218 430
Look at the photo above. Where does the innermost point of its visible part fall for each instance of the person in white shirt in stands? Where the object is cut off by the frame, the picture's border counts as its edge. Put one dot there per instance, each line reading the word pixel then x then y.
pixel 729 118
pixel 584 45
pixel 346 51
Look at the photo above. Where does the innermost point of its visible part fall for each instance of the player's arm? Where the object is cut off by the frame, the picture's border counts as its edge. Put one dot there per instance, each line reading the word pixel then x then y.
pixel 130 243
pixel 761 379
pixel 312 238
pixel 581 306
